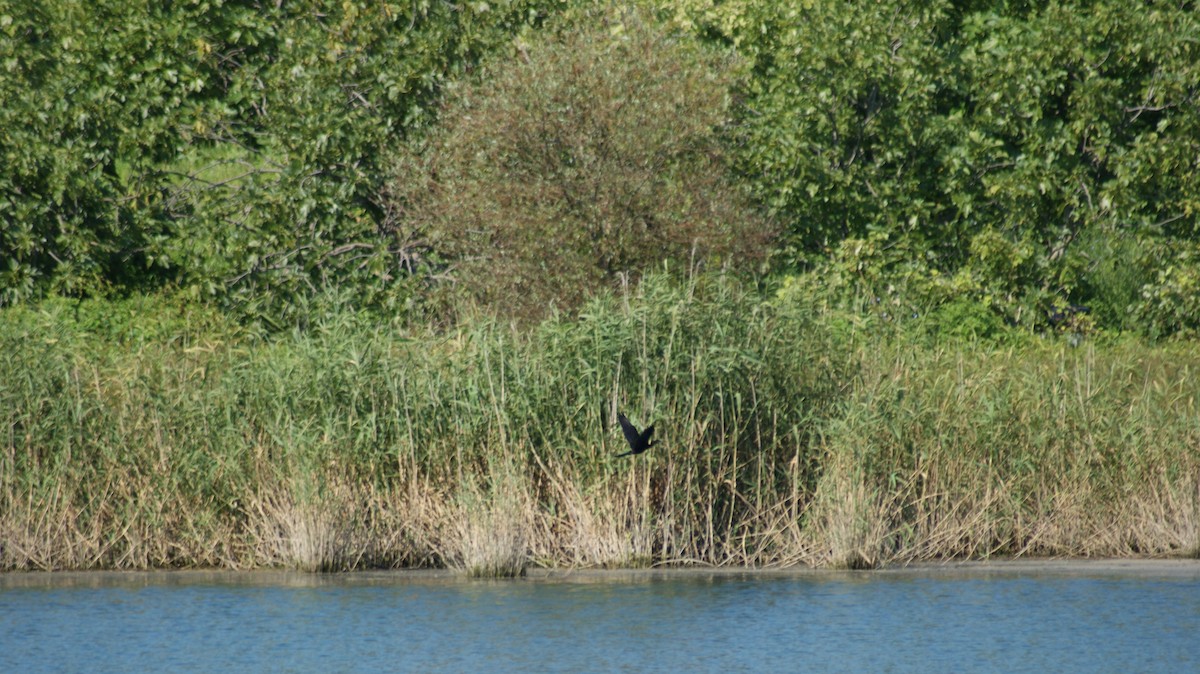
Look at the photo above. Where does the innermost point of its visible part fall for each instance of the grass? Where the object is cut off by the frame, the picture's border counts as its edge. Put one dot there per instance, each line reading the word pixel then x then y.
pixel 788 435
pixel 490 528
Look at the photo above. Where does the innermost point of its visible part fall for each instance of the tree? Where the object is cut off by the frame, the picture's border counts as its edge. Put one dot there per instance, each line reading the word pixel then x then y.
pixel 990 151
pixel 592 152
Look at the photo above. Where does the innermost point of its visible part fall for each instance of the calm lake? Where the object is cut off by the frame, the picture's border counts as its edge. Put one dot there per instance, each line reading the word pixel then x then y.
pixel 1001 617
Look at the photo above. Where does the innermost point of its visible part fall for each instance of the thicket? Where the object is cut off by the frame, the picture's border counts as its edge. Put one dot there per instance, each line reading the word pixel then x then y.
pixel 1023 157
pixel 232 148
pixel 939 172
pixel 596 153
pixel 1007 157
pixel 784 436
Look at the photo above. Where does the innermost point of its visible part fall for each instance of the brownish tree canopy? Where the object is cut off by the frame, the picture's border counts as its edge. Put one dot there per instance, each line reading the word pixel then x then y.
pixel 595 152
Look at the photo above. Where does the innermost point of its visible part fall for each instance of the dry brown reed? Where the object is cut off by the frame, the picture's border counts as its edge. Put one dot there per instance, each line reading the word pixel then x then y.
pixel 608 524
pixel 489 530
pixel 848 519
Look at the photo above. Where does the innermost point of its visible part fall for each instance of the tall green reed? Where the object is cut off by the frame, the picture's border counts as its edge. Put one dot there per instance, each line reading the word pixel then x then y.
pixel 784 437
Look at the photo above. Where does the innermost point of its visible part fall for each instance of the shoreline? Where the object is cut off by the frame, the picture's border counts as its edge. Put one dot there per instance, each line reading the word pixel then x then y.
pixel 955 569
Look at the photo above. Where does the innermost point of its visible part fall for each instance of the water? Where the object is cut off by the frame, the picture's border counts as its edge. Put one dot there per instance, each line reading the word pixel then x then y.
pixel 1006 618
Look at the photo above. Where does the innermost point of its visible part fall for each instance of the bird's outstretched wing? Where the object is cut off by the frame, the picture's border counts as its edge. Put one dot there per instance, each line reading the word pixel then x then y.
pixel 644 440
pixel 631 434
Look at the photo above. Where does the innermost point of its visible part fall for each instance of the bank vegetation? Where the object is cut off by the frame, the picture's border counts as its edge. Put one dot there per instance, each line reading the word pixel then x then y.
pixel 336 285
pixel 788 434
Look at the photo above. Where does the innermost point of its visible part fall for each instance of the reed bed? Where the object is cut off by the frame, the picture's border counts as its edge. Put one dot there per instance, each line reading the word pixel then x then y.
pixel 787 435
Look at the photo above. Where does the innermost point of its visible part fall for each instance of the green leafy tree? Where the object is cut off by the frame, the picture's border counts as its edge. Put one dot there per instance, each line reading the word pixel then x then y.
pixel 593 152
pixel 984 141
pixel 232 148
pixel 95 95
pixel 287 199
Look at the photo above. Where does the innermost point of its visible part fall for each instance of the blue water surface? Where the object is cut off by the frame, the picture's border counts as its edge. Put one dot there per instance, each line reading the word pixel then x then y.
pixel 988 618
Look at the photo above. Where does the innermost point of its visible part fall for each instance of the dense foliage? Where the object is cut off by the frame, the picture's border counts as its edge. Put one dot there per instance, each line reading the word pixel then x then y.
pixel 1025 157
pixel 593 155
pixel 232 147
pixel 1011 160
pixel 148 434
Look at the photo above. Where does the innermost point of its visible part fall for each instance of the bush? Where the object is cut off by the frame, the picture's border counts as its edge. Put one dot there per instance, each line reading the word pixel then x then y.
pixel 232 148
pixel 593 152
pixel 95 94
pixel 991 138
pixel 284 199
pixel 1170 303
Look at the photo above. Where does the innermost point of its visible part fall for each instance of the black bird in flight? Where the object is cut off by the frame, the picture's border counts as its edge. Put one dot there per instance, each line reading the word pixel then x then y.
pixel 638 442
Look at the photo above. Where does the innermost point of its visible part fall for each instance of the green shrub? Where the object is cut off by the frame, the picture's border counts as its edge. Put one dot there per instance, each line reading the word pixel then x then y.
pixel 966 320
pixel 233 148
pixel 94 97
pixel 119 323
pixel 1170 303
pixel 991 138
pixel 1115 266
pixel 593 152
